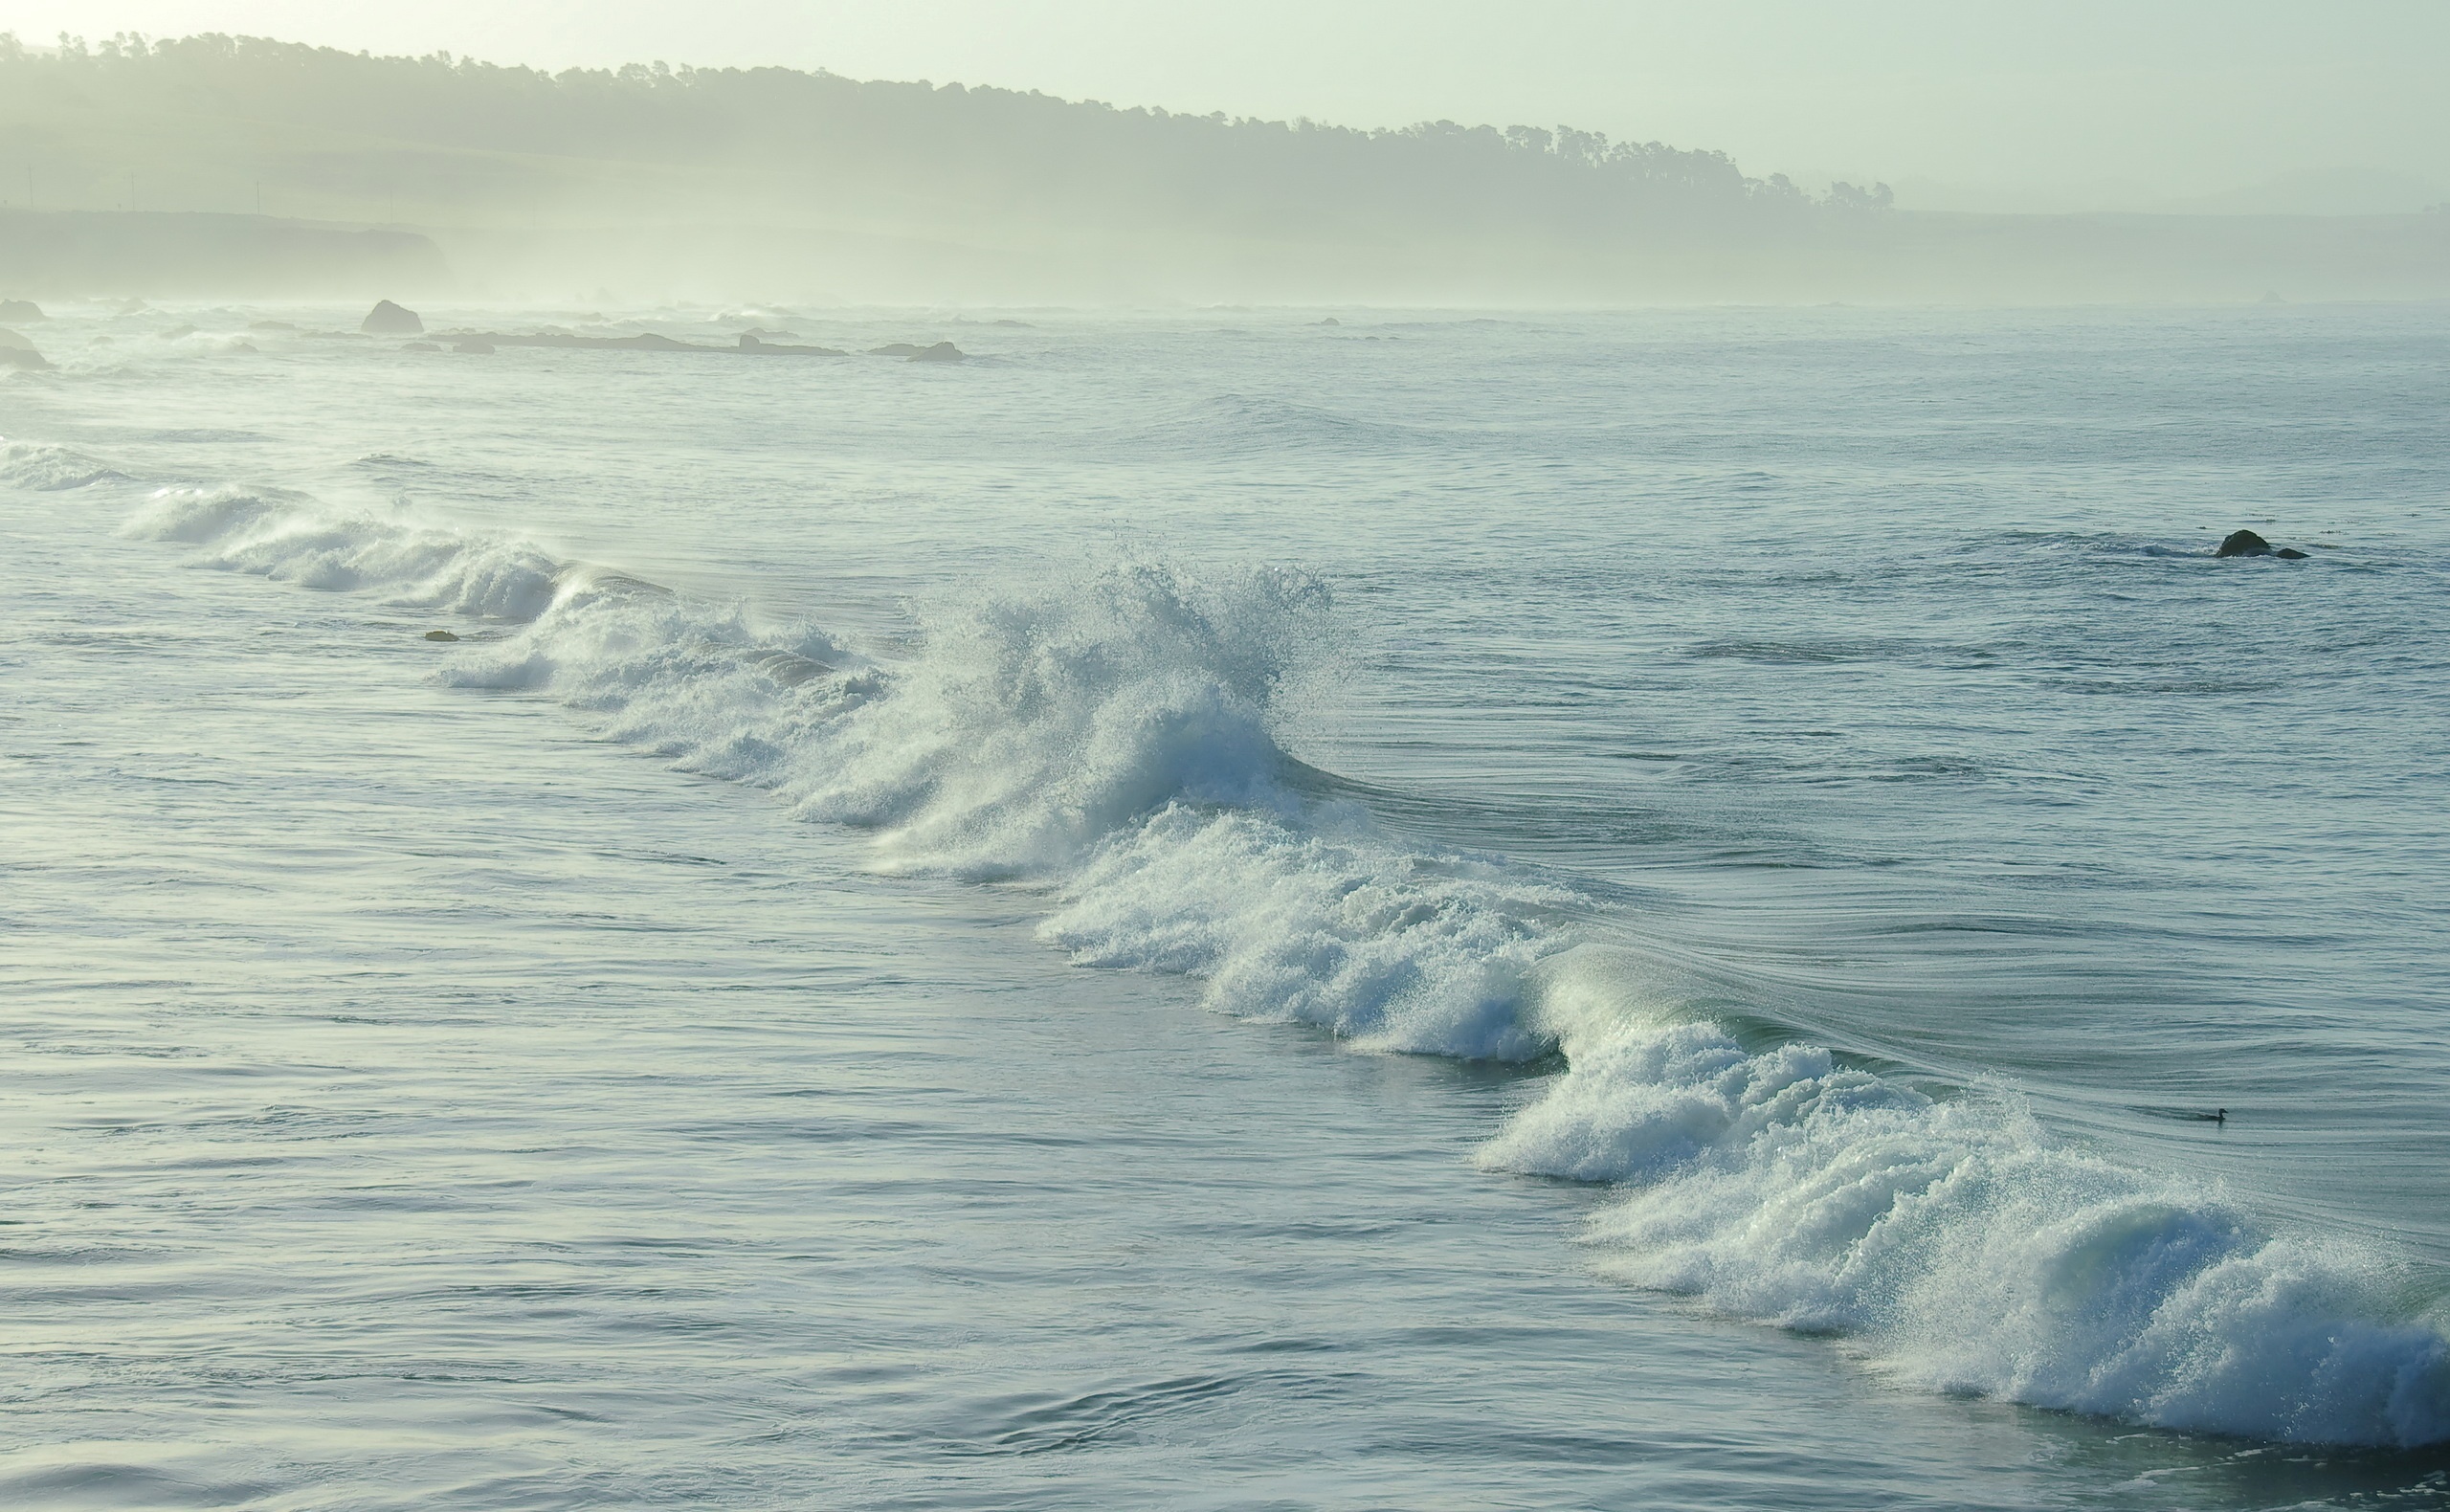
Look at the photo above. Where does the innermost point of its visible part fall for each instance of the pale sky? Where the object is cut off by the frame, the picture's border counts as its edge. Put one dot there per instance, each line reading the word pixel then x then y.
pixel 2041 104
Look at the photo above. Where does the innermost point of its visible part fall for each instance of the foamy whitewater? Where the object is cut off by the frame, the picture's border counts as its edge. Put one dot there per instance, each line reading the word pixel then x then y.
pixel 1842 832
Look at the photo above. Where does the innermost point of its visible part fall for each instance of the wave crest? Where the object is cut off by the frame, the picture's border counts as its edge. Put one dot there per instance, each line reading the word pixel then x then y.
pixel 46 468
pixel 292 537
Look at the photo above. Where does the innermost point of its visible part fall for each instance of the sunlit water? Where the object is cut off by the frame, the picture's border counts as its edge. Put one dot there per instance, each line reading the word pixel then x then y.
pixel 1214 911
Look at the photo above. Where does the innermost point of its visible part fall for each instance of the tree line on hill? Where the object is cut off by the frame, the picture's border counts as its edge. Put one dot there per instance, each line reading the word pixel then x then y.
pixel 444 134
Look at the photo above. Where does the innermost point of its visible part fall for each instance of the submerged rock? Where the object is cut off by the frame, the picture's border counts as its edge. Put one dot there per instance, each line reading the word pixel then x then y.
pixel 21 310
pixel 388 318
pixel 441 634
pixel 2246 543
pixel 474 348
pixel 895 349
pixel 941 352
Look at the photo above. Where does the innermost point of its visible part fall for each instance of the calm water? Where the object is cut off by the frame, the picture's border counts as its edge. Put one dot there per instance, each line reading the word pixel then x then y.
pixel 1211 911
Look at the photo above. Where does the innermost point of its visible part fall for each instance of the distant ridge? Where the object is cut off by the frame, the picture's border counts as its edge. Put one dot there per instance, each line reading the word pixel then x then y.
pixel 916 144
pixel 775 182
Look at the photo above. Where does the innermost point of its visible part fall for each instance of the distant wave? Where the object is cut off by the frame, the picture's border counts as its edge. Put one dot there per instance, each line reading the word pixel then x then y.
pixel 1239 424
pixel 39 465
pixel 1110 740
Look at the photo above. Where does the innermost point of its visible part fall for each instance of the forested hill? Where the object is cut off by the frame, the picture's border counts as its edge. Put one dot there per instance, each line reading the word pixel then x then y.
pixel 207 122
pixel 767 183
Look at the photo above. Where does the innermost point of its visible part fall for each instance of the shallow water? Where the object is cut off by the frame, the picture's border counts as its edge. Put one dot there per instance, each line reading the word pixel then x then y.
pixel 1794 822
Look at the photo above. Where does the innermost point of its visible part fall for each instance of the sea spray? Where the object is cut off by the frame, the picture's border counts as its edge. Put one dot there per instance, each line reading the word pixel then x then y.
pixel 1037 725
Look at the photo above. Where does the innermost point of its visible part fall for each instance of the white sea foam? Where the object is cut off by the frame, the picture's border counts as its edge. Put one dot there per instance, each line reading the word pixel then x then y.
pixel 1314 917
pixel 1963 1247
pixel 1111 741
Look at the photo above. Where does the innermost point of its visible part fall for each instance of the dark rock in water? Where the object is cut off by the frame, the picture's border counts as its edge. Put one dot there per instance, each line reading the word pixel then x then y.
pixel 21 310
pixel 15 342
pixel 482 343
pixel 441 634
pixel 941 352
pixel 474 348
pixel 388 318
pixel 896 350
pixel 1331 320
pixel 751 346
pixel 2246 543
pixel 644 342
pixel 422 346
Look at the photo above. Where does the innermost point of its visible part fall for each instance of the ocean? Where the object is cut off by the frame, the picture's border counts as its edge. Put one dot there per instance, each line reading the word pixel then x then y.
pixel 1717 908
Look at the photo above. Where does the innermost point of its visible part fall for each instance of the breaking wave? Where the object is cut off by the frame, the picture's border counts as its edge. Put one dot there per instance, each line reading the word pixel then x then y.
pixel 1112 742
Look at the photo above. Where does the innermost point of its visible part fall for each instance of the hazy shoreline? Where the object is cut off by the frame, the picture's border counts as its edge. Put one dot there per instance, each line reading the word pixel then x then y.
pixel 1903 259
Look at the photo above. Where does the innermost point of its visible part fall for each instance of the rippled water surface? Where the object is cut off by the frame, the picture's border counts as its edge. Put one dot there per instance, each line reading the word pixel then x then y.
pixel 1211 911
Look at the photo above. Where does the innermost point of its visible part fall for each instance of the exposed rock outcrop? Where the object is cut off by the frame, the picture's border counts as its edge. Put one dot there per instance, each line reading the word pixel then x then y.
pixel 2246 543
pixel 755 345
pixel 21 310
pixel 388 318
